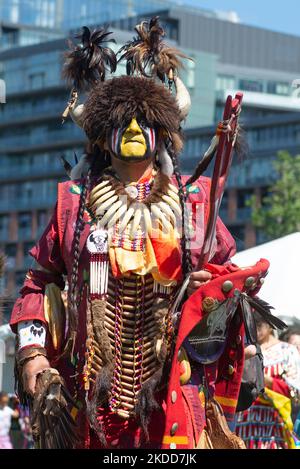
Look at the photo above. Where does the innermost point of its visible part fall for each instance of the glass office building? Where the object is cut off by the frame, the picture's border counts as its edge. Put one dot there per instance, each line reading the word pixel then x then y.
pixel 68 14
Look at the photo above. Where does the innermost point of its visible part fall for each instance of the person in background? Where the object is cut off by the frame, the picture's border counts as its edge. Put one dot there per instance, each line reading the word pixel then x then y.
pixel 26 428
pixel 6 414
pixel 16 433
pixel 292 336
pixel 267 424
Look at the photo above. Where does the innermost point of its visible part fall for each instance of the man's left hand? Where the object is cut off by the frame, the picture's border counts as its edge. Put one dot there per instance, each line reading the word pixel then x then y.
pixel 197 279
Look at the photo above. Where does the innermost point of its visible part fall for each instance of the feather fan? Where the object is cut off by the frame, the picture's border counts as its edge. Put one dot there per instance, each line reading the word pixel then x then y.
pixel 53 427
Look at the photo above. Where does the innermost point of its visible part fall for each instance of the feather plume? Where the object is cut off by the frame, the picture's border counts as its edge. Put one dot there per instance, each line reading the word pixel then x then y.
pixel 205 161
pixel 88 62
pixel 147 50
pixel 66 165
pixel 264 309
pixel 249 323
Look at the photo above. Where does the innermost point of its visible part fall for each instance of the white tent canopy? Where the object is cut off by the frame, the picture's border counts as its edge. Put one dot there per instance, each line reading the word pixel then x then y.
pixel 282 285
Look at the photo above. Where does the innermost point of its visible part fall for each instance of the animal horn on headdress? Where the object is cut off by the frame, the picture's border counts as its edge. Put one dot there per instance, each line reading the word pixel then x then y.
pixel 85 65
pixel 165 161
pixel 76 113
pixel 182 97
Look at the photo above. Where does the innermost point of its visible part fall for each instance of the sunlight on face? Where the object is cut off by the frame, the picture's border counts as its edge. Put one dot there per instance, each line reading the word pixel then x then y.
pixel 133 142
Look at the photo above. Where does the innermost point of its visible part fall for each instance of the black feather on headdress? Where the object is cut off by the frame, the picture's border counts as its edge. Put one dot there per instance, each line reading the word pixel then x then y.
pixel 87 62
pixel 148 50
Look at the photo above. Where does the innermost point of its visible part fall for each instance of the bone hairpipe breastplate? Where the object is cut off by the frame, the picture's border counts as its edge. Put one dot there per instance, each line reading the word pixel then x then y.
pixel 135 332
pixel 130 323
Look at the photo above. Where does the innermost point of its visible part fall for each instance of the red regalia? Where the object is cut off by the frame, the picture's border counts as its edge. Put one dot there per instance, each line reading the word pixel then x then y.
pixel 132 372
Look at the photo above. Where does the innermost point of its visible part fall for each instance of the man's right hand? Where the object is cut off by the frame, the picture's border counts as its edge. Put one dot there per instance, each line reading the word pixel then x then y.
pixel 30 371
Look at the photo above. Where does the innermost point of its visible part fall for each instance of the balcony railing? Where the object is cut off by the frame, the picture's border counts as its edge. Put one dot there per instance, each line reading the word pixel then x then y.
pixel 12 172
pixel 42 138
pixel 243 214
pixel 12 114
pixel 28 204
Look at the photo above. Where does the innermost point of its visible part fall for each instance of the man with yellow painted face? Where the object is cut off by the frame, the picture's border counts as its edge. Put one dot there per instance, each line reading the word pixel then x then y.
pixel 134 142
pixel 119 334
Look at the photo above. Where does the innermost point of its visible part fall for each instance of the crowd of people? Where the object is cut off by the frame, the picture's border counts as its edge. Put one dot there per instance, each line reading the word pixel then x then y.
pixel 273 419
pixel 15 429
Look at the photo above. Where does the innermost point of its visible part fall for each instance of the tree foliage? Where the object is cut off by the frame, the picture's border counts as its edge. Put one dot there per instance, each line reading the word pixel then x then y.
pixel 278 214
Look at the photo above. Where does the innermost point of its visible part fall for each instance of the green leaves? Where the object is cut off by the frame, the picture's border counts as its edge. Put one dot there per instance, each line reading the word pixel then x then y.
pixel 278 214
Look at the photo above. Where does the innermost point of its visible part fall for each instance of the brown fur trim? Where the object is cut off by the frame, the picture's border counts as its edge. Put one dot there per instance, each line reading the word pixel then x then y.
pixel 101 335
pixel 114 103
pixel 102 386
pixel 160 311
pixel 147 403
pixel 24 398
pixel 177 142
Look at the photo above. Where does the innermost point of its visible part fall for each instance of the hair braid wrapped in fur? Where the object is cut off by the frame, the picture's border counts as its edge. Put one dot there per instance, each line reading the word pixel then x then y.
pixel 73 294
pixel 186 255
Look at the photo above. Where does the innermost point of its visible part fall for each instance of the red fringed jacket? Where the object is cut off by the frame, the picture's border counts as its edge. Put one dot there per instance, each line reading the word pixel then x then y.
pixel 54 252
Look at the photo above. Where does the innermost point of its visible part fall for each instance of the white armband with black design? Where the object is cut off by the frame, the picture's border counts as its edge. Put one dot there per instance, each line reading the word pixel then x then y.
pixel 31 332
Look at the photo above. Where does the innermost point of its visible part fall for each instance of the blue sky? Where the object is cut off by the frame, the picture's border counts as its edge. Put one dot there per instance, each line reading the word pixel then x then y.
pixel 278 15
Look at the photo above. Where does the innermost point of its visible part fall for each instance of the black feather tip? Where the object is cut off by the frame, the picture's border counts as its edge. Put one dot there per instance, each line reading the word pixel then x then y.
pixel 87 63
pixel 143 50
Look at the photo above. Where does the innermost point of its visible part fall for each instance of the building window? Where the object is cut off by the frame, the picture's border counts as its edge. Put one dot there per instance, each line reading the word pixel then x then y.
pixel 28 259
pixel 171 29
pixel 242 197
pixel 10 253
pixel 224 206
pixel 190 73
pixel 42 220
pixel 281 88
pixel 238 233
pixel 251 85
pixel 243 210
pixel 261 237
pixel 37 80
pixel 225 82
pixel 4 221
pixel 25 225
pixel 19 279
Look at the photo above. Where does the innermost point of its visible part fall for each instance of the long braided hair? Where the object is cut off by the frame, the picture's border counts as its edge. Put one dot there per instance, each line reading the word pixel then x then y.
pixel 186 254
pixel 73 290
pixel 98 161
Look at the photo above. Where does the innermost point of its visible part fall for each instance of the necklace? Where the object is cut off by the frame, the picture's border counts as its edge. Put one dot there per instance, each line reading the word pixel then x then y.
pixel 111 201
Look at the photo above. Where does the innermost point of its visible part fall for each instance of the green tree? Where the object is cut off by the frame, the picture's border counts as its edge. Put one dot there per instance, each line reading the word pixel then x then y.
pixel 278 214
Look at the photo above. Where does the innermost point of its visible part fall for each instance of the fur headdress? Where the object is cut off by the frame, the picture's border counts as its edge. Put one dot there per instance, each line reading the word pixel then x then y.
pixel 117 100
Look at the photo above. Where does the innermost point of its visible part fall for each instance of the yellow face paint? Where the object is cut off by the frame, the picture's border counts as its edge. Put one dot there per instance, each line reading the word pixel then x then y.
pixel 133 141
